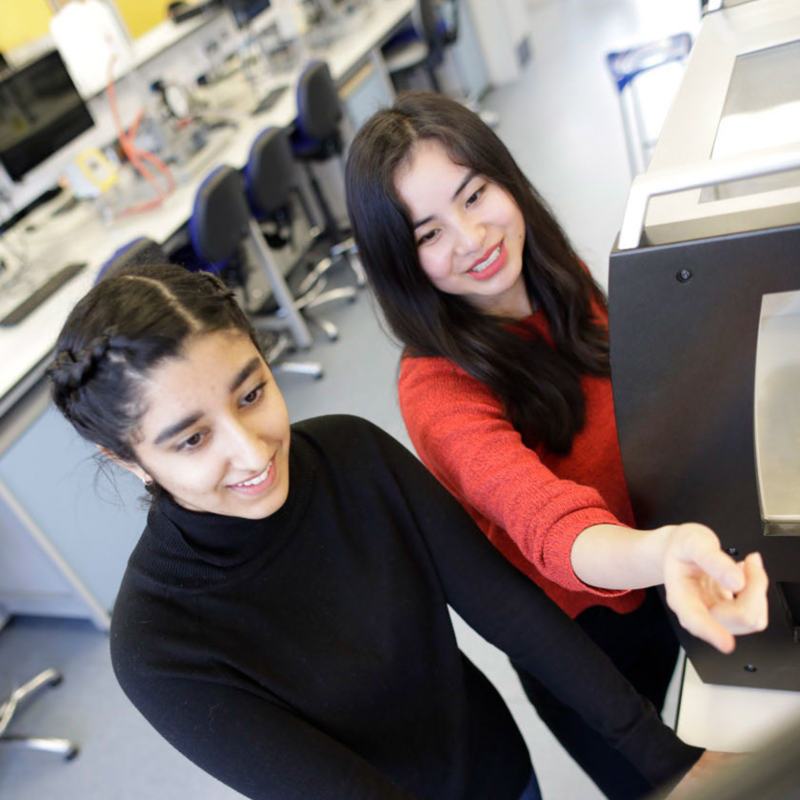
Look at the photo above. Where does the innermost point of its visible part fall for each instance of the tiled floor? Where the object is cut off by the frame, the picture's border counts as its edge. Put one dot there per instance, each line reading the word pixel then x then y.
pixel 561 120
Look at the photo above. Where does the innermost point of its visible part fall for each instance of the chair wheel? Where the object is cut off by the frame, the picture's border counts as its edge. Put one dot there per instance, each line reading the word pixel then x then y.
pixel 70 754
pixel 56 680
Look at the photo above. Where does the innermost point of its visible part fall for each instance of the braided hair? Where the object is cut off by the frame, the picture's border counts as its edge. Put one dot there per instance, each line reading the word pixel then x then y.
pixel 119 332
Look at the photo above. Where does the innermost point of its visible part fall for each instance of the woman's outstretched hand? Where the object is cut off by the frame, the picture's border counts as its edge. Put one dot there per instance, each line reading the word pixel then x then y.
pixel 714 597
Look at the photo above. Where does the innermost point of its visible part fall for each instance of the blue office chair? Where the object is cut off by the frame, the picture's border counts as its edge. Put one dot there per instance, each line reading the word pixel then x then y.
pixel 422 46
pixel 271 179
pixel 138 251
pixel 19 696
pixel 221 223
pixel 317 137
pixel 625 67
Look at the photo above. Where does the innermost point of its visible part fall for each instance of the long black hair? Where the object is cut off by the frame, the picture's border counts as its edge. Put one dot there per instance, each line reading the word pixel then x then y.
pixel 119 332
pixel 538 385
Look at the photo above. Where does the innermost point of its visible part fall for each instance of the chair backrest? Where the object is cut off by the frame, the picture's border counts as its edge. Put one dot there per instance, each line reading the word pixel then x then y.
pixel 220 217
pixel 626 65
pixel 437 24
pixel 270 172
pixel 319 108
pixel 138 251
pixel 425 20
pixel 449 13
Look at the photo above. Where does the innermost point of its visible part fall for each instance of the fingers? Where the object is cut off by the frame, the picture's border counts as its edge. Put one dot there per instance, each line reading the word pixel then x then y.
pixel 697 576
pixel 713 614
pixel 713 597
pixel 699 545
pixel 692 611
pixel 748 611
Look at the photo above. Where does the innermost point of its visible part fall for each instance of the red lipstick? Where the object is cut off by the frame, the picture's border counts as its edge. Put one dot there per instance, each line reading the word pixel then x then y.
pixel 493 268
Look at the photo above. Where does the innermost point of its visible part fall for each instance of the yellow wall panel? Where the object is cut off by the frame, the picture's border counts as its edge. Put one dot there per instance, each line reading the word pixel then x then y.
pixel 22 21
pixel 141 15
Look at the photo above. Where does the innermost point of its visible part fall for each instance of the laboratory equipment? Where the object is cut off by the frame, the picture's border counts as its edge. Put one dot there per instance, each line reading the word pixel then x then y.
pixel 704 303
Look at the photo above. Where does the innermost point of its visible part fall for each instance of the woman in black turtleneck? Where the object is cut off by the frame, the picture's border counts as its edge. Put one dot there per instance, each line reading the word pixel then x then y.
pixel 283 620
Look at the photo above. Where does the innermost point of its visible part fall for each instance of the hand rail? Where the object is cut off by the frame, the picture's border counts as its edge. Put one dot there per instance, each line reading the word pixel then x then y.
pixel 707 173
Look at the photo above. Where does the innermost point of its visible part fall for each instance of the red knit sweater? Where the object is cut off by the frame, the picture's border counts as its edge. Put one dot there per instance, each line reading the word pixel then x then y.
pixel 530 503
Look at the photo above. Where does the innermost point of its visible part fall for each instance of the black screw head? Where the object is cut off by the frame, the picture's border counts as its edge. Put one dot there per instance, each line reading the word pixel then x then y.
pixel 750 668
pixel 684 275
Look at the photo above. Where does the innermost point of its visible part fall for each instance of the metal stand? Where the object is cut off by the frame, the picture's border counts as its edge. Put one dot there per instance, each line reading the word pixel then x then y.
pixel 64 747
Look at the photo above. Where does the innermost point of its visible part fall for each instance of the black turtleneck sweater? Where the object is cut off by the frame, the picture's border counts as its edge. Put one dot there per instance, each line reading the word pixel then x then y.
pixel 311 655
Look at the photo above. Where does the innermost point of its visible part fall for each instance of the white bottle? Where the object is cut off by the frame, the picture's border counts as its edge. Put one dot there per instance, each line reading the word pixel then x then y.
pixel 90 38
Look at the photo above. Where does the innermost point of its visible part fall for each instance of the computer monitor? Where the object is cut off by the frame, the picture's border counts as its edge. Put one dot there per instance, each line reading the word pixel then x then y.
pixel 245 10
pixel 40 112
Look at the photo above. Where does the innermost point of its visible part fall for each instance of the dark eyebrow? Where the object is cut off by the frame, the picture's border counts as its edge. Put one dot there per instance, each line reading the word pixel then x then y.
pixel 175 429
pixel 244 373
pixel 422 222
pixel 470 175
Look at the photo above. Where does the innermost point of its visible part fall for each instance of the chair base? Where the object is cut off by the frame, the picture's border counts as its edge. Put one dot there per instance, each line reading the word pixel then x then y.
pixel 344 245
pixel 282 344
pixel 346 251
pixel 326 326
pixel 489 117
pixel 64 747
pixel 61 747
pixel 312 368
pixel 316 298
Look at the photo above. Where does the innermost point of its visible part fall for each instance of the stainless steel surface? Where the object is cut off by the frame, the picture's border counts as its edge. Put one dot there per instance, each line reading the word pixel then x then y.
pixel 777 410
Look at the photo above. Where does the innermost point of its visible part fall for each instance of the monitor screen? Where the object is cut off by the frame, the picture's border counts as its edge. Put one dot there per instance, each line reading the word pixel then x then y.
pixel 245 10
pixel 40 112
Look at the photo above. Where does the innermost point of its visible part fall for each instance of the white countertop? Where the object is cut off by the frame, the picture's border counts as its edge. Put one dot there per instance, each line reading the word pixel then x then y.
pixel 735 719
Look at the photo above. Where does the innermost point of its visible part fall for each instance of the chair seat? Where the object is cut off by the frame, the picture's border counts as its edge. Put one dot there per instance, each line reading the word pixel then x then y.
pixel 309 149
pixel 406 55
pixel 303 146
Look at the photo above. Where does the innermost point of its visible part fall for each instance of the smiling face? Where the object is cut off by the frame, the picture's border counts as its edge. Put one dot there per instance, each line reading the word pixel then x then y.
pixel 215 432
pixel 469 232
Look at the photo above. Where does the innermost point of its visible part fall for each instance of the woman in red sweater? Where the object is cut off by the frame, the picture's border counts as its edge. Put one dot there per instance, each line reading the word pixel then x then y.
pixel 505 391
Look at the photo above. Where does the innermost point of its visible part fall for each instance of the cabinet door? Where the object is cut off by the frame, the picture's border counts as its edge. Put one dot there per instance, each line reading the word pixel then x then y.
pixel 34 580
pixel 84 523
